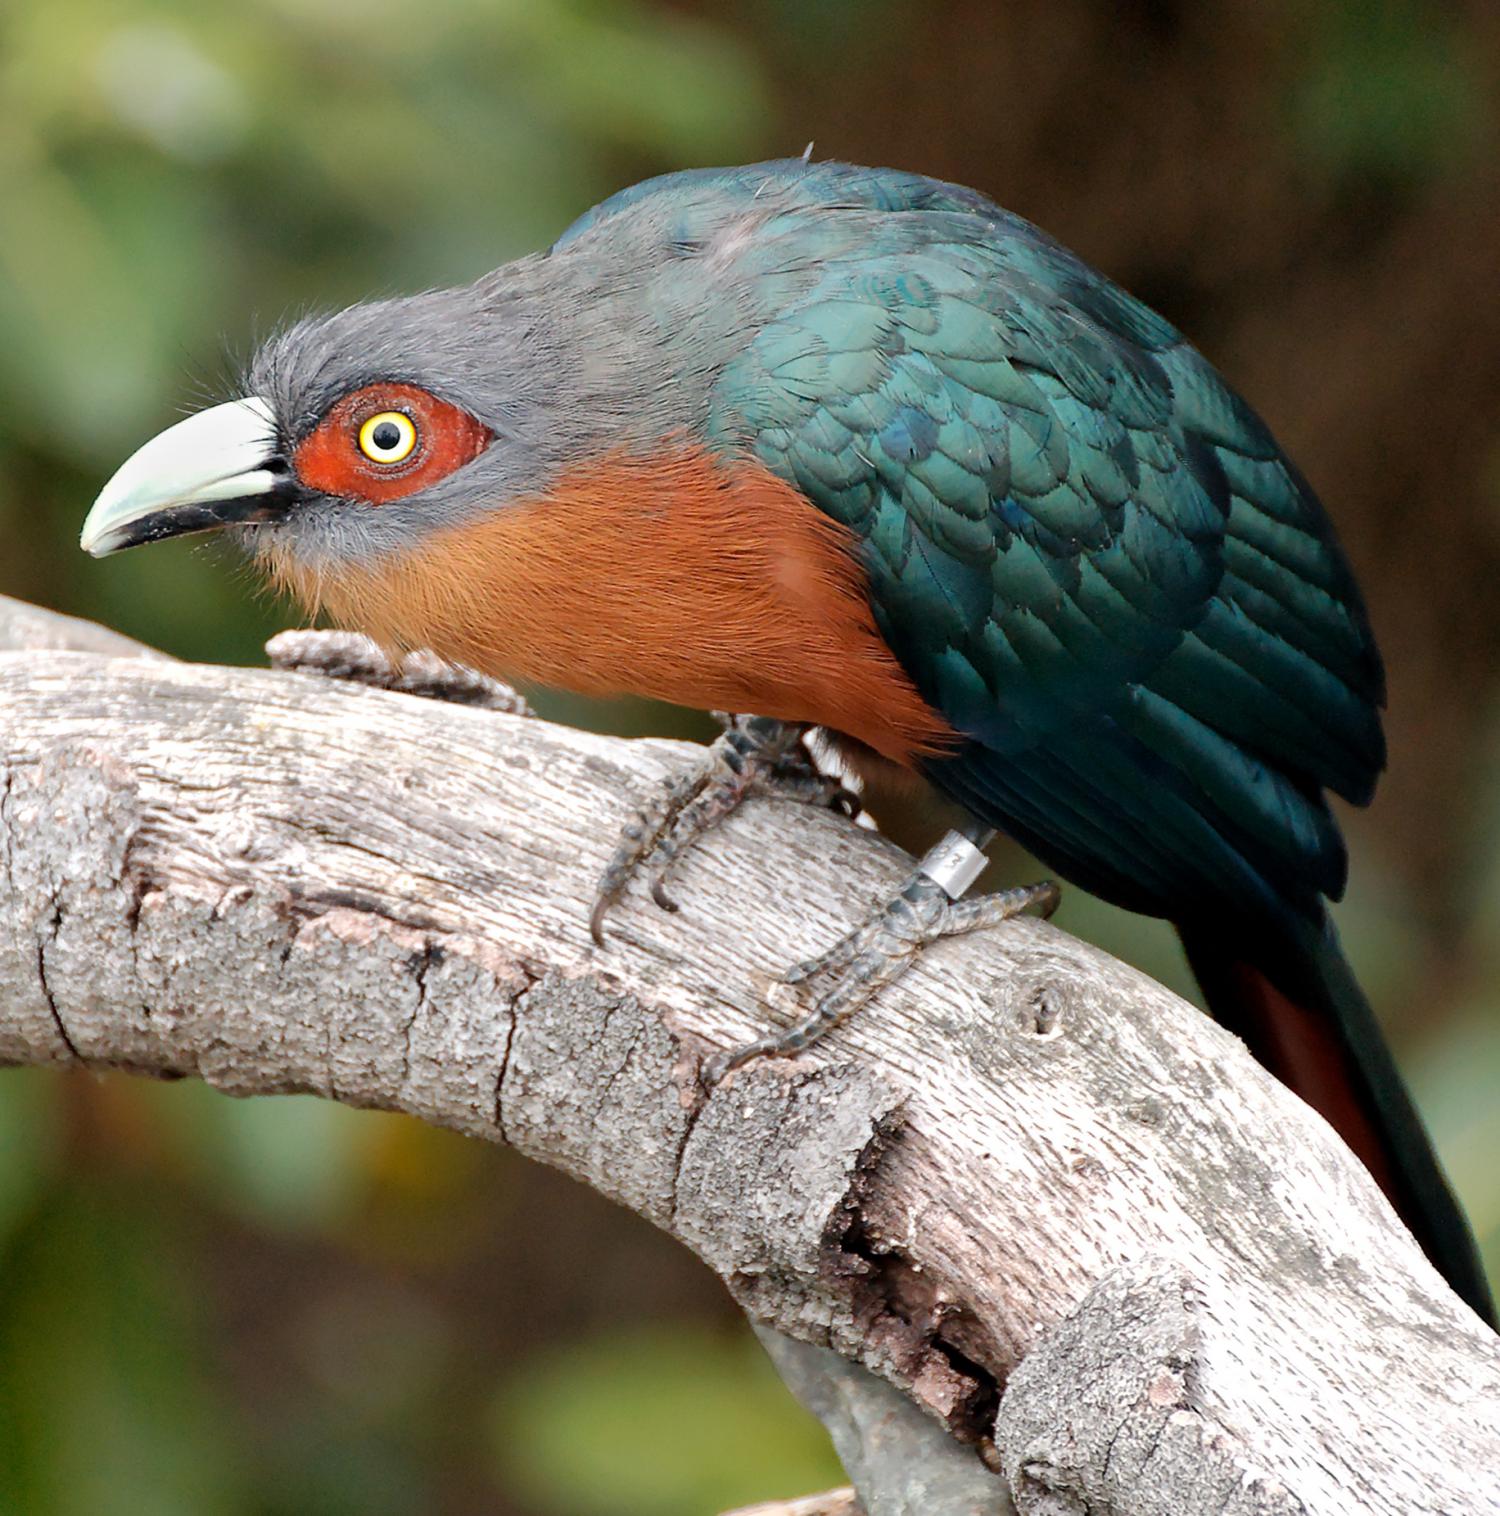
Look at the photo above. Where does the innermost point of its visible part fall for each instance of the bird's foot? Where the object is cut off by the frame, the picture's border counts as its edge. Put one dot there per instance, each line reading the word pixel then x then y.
pixel 351 656
pixel 861 964
pixel 756 756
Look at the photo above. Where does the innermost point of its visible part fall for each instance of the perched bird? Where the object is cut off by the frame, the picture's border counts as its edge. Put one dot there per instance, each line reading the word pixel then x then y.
pixel 858 450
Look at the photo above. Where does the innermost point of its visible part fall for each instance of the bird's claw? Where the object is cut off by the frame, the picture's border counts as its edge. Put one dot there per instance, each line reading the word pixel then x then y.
pixel 358 659
pixel 756 756
pixel 861 963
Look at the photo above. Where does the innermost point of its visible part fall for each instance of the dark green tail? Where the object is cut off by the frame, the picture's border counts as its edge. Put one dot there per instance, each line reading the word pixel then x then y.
pixel 1304 1016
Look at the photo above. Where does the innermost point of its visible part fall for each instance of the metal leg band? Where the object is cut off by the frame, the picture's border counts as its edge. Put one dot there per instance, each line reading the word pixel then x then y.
pixel 953 864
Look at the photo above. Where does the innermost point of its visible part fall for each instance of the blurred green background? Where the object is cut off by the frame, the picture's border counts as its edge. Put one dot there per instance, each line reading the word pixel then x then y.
pixel 285 1307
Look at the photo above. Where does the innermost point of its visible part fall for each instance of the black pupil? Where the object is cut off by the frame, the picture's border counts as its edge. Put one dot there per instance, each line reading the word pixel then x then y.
pixel 386 437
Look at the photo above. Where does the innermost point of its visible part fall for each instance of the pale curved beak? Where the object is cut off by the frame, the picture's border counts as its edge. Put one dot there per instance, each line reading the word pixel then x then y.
pixel 217 468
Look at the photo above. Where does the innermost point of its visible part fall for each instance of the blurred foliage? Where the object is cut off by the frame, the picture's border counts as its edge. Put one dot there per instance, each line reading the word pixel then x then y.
pixel 284 1307
pixel 1389 94
pixel 691 1436
pixel 106 1401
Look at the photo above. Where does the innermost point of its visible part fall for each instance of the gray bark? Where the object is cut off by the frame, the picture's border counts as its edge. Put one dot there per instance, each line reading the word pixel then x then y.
pixel 1056 1208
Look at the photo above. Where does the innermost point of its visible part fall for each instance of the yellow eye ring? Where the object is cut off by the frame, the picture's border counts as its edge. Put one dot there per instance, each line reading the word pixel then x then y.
pixel 388 437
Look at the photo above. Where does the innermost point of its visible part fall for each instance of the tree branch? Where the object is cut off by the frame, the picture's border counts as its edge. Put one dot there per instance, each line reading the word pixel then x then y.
pixel 1049 1202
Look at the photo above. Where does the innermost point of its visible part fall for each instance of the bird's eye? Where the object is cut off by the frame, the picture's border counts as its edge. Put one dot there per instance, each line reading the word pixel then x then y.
pixel 389 437
pixel 385 441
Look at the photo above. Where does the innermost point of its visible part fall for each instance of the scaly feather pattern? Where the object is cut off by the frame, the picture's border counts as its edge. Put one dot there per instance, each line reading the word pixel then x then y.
pixel 1088 552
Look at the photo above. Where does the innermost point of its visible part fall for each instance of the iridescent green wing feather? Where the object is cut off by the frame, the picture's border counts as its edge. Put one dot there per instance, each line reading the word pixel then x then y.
pixel 1086 550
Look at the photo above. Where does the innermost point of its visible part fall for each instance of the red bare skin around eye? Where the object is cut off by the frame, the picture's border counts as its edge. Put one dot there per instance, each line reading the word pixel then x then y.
pixel 329 459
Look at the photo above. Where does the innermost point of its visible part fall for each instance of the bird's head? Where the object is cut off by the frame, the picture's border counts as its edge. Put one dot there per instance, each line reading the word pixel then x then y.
pixel 357 434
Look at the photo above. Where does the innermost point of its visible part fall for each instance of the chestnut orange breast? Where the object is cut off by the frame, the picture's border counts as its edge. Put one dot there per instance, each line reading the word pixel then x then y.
pixel 696 581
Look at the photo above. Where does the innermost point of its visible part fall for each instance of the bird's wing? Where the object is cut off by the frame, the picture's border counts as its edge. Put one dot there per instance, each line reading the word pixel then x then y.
pixel 1084 548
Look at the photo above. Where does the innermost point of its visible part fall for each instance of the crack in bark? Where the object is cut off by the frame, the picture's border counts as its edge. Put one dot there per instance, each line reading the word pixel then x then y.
pixel 54 924
pixel 982 1401
pixel 697 1105
pixel 1158 1434
pixel 531 978
pixel 134 876
pixel 1116 1434
pixel 430 956
pixel 896 1301
pixel 623 1062
pixel 47 995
